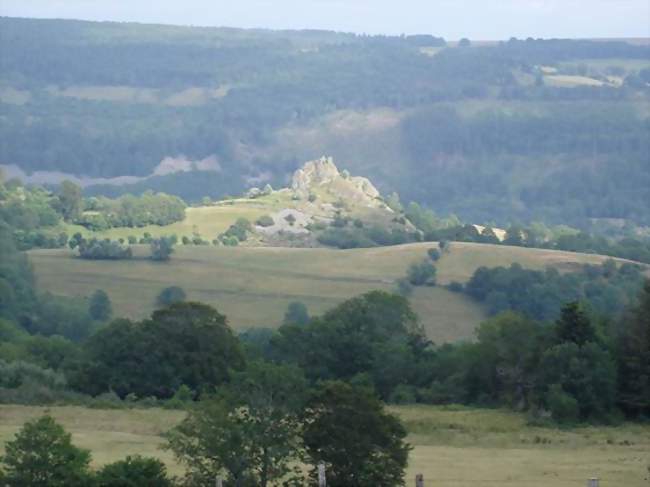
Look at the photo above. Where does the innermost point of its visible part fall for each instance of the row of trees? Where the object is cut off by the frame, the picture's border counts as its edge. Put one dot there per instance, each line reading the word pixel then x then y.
pixel 107 249
pixel 101 213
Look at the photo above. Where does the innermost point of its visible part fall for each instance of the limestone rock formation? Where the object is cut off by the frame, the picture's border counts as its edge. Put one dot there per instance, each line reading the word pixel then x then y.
pixel 314 173
pixel 322 172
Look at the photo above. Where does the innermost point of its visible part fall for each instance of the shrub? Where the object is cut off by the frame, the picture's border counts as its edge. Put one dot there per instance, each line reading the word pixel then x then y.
pixel 564 407
pixel 171 295
pixel 434 254
pixel 265 221
pixel 404 287
pixel 238 230
pixel 455 287
pixel 422 274
pixel 162 248
pixel 15 374
pixel 103 250
pixel 403 394
pixel 100 307
pixel 134 471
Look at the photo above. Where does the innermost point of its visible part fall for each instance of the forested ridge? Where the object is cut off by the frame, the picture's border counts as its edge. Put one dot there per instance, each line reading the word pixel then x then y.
pixel 483 131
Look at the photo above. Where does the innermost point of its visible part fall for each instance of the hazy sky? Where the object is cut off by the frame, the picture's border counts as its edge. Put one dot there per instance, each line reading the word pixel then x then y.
pixel 453 19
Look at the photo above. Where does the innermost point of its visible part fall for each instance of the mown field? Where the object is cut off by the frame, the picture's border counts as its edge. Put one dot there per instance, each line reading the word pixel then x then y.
pixel 453 446
pixel 254 285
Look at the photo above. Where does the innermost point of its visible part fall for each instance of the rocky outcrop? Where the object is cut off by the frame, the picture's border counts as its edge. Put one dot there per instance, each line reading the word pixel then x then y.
pixel 365 186
pixel 314 173
pixel 322 172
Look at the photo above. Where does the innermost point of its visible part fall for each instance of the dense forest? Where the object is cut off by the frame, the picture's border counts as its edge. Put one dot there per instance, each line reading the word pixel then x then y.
pixel 106 100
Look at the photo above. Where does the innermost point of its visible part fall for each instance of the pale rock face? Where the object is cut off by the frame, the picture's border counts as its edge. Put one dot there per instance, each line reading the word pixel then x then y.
pixel 323 171
pixel 365 186
pixel 314 173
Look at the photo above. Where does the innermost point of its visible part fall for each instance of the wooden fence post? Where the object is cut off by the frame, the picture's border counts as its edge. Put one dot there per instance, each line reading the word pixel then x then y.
pixel 219 481
pixel 419 480
pixel 322 481
pixel 593 482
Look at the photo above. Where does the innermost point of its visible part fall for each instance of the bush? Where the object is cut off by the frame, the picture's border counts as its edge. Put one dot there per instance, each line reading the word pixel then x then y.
pixel 564 407
pixel 162 248
pixel 239 230
pixel 422 274
pixel 100 307
pixel 16 374
pixel 103 250
pixel 434 254
pixel 404 287
pixel 134 471
pixel 265 221
pixel 403 394
pixel 455 287
pixel 171 295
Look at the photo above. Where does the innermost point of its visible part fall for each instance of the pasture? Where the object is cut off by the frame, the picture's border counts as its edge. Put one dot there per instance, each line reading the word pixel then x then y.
pixel 254 285
pixel 453 446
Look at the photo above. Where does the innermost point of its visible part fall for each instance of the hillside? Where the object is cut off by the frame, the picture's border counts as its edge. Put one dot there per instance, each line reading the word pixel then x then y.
pixel 319 196
pixel 254 285
pixel 478 131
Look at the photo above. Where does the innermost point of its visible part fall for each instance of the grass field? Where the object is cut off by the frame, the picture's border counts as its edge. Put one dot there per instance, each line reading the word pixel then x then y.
pixel 208 221
pixel 453 446
pixel 254 285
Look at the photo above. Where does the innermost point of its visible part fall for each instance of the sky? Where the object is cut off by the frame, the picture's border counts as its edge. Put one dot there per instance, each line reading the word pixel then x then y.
pixel 452 19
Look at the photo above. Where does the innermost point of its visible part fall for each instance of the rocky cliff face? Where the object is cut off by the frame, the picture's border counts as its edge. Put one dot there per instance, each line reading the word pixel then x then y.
pixel 322 172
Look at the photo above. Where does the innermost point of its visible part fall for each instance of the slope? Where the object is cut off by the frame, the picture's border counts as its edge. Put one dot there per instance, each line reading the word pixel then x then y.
pixel 254 285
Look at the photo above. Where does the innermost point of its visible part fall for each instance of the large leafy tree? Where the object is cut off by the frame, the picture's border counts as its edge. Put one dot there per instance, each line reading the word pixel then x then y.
pixel 505 359
pixel 587 374
pixel 250 431
pixel 100 307
pixel 70 201
pixel 185 343
pixel 360 444
pixel 358 337
pixel 42 455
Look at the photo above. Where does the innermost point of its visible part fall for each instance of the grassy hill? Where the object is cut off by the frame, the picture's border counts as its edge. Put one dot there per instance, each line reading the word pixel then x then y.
pixel 499 446
pixel 254 285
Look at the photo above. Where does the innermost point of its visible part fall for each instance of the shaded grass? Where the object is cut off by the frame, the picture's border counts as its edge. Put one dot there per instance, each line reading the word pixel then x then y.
pixel 453 446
